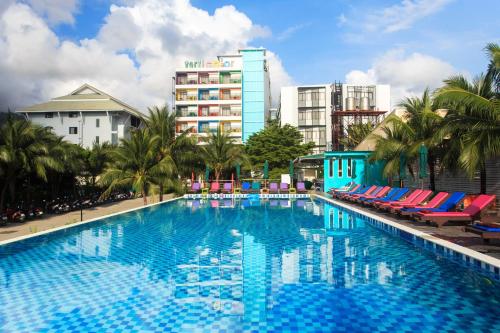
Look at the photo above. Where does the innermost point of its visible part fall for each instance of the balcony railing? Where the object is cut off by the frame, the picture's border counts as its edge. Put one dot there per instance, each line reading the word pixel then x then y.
pixel 185 98
pixel 185 113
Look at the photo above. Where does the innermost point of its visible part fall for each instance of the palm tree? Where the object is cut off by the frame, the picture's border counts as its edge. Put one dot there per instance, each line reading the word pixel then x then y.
pixel 96 160
pixel 355 134
pixel 405 135
pixel 135 165
pixel 493 51
pixel 221 153
pixel 472 122
pixel 181 149
pixel 24 150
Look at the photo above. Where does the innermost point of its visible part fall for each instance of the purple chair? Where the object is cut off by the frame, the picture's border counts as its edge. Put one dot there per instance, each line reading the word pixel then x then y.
pixel 228 188
pixel 273 188
pixel 195 187
pixel 283 188
pixel 301 187
pixel 273 203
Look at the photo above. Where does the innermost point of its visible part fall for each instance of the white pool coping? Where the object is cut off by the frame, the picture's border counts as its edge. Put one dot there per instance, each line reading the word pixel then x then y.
pixel 483 258
pixel 72 225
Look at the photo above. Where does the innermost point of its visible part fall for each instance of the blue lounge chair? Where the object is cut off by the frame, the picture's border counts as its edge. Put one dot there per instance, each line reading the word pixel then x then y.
pixel 451 202
pixel 359 190
pixel 245 187
pixel 400 193
pixel 389 195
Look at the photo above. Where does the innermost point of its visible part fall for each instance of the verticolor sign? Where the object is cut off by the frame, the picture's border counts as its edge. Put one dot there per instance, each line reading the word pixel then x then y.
pixel 207 64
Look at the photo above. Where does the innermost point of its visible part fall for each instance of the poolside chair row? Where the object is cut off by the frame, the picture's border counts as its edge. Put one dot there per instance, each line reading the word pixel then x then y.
pixel 247 187
pixel 421 205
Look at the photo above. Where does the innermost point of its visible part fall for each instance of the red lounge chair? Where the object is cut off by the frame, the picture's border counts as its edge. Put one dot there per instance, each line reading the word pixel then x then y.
pixel 214 187
pixel 470 213
pixel 409 199
pixel 433 203
pixel 418 200
pixel 379 194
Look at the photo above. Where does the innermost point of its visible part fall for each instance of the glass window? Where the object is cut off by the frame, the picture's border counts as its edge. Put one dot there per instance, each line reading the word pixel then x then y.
pixel 330 168
pixel 49 115
pixel 349 167
pixel 114 138
pixel 73 130
pixel 97 139
pixel 340 167
pixel 73 114
pixel 97 122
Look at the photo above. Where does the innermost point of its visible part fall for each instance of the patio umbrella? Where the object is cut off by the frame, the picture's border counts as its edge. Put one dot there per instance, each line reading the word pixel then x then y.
pixel 402 168
pixel 238 171
pixel 207 173
pixel 290 169
pixel 266 169
pixel 422 159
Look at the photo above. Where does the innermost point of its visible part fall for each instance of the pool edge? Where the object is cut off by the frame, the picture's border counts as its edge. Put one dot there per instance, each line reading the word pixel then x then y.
pixel 487 263
pixel 48 231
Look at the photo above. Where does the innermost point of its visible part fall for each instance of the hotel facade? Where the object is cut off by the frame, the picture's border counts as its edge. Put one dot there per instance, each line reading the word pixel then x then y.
pixel 231 92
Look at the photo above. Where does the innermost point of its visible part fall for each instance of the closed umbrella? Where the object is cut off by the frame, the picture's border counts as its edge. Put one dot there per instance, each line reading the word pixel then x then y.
pixel 207 173
pixel 266 169
pixel 402 168
pixel 290 169
pixel 422 154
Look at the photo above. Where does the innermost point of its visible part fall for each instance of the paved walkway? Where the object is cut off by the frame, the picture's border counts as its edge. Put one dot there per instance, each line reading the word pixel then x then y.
pixel 453 233
pixel 13 230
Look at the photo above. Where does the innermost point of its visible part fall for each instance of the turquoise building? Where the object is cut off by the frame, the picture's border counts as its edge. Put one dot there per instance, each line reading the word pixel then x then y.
pixel 255 91
pixel 344 167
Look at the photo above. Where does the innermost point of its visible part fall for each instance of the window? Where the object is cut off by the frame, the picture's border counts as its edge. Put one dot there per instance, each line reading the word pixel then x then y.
pixel 73 130
pixel 340 167
pixel 97 139
pixel 49 115
pixel 114 138
pixel 73 114
pixel 349 167
pixel 135 121
pixel 97 122
pixel 331 168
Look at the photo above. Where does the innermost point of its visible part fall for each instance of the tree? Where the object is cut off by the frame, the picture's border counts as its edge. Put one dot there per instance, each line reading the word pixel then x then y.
pixel 278 145
pixel 24 150
pixel 181 149
pixel 96 160
pixel 221 153
pixel 355 134
pixel 135 165
pixel 493 51
pixel 472 122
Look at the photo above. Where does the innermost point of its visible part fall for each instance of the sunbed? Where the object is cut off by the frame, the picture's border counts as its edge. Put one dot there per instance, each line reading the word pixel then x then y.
pixel 400 193
pixel 486 231
pixel 283 188
pixel 349 197
pixel 301 187
pixel 195 187
pixel 355 188
pixel 359 190
pixel 379 194
pixel 470 213
pixel 450 203
pixel 408 199
pixel 214 187
pixel 416 201
pixel 227 188
pixel 273 188
pixel 350 186
pixel 255 187
pixel 245 187
pixel 392 192
pixel 433 203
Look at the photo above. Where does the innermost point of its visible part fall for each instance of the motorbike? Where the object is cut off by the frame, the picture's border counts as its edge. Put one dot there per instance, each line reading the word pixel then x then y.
pixel 15 215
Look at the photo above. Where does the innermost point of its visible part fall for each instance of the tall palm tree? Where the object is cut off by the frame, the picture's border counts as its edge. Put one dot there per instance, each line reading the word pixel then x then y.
pixel 405 135
pixel 181 148
pixel 135 165
pixel 221 153
pixel 493 51
pixel 96 160
pixel 472 122
pixel 24 150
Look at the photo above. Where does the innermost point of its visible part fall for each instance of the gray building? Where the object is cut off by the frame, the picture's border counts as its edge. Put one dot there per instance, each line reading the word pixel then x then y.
pixel 85 116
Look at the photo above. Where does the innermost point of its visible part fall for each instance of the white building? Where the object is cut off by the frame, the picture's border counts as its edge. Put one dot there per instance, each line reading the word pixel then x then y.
pixel 231 92
pixel 85 116
pixel 310 108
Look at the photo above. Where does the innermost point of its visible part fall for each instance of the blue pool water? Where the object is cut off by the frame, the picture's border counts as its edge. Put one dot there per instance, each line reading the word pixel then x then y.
pixel 232 266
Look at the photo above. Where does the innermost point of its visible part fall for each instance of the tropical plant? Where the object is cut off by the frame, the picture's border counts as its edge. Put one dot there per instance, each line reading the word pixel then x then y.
pixel 96 160
pixel 181 148
pixel 355 134
pixel 135 165
pixel 472 123
pixel 221 153
pixel 24 150
pixel 493 51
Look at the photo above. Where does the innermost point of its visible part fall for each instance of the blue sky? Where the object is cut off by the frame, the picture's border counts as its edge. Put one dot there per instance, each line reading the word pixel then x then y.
pixel 136 45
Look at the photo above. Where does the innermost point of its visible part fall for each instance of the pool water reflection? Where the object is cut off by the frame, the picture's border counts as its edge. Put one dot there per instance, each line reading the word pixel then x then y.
pixel 237 265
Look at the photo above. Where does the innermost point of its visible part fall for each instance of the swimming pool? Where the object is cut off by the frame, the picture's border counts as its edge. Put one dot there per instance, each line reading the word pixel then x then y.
pixel 236 265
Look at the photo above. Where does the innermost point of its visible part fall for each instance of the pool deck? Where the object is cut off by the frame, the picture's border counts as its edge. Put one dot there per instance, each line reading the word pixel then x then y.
pixel 452 233
pixel 47 222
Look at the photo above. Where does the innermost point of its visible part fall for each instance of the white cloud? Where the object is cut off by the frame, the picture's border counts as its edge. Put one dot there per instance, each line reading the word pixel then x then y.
pixel 288 32
pixel 133 56
pixel 56 11
pixel 408 75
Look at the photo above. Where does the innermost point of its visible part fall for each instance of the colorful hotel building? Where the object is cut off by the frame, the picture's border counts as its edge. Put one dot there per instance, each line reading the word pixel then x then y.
pixel 231 93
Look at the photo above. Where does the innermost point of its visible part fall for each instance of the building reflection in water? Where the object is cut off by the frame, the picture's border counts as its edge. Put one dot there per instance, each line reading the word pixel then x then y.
pixel 237 257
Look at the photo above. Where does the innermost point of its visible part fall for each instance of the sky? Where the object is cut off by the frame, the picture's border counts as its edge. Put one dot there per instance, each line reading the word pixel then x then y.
pixel 130 48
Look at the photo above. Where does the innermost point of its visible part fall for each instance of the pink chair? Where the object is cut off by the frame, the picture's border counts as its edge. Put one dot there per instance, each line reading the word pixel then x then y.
pixel 273 188
pixel 409 199
pixel 214 187
pixel 283 188
pixel 470 213
pixel 418 200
